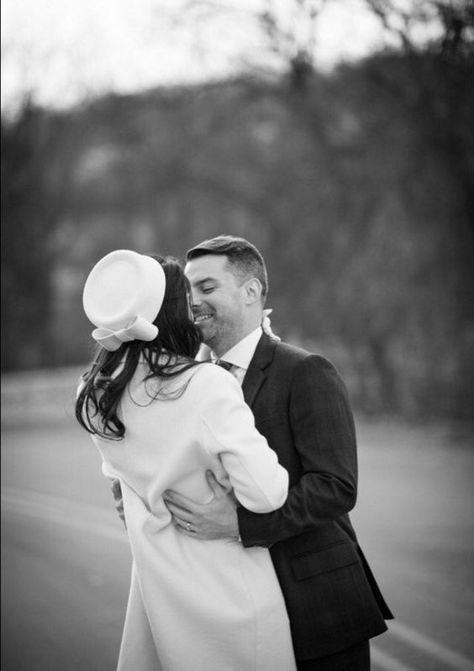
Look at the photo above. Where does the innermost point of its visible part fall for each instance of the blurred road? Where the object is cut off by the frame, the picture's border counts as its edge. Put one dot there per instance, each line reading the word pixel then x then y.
pixel 65 558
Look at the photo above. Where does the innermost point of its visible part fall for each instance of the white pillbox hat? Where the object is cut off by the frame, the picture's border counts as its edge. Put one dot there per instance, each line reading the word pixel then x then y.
pixel 122 296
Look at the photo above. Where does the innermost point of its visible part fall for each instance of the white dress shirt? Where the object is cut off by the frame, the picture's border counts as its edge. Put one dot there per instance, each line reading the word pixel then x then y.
pixel 240 355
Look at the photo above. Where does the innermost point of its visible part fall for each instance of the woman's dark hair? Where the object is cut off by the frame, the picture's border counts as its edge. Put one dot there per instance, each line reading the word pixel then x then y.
pixel 170 353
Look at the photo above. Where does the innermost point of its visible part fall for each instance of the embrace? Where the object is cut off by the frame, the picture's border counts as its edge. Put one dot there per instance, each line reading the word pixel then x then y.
pixel 234 457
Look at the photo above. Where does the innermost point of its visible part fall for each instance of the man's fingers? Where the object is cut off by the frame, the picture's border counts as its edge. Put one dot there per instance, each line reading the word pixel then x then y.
pixel 175 508
pixel 184 530
pixel 182 502
pixel 216 487
pixel 179 515
pixel 183 526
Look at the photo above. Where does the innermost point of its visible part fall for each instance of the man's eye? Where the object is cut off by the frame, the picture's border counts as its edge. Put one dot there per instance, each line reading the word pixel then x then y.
pixel 207 290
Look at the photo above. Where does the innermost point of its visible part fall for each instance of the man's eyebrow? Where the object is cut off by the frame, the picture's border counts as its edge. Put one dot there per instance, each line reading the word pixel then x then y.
pixel 204 280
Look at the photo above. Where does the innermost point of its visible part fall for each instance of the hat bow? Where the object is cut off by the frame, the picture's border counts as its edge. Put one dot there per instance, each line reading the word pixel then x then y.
pixel 138 329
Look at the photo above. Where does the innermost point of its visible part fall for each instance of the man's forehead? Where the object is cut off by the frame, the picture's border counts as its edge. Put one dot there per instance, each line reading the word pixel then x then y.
pixel 206 267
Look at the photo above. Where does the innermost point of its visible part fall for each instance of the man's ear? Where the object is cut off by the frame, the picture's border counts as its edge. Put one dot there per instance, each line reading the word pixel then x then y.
pixel 253 290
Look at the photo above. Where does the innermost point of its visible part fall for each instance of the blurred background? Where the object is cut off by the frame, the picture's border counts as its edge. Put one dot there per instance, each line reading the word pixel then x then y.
pixel 337 136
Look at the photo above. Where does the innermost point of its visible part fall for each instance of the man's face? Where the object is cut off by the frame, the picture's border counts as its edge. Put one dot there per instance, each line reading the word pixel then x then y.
pixel 218 301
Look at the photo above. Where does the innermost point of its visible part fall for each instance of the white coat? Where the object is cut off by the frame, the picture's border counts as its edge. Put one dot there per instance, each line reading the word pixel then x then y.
pixel 196 605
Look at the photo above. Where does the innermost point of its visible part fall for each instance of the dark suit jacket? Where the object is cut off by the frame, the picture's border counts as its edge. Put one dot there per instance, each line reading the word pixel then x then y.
pixel 301 406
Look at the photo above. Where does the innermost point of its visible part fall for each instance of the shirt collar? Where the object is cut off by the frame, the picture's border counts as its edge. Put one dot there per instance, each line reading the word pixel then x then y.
pixel 241 354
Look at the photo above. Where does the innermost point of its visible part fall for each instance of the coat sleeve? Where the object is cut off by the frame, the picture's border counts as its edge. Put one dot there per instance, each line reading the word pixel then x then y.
pixel 259 482
pixel 323 436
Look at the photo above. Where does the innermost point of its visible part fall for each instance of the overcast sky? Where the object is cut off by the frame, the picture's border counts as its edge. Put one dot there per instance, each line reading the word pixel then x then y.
pixel 64 50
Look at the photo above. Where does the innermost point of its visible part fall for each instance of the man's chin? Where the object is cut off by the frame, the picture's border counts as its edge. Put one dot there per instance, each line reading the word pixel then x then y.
pixel 206 332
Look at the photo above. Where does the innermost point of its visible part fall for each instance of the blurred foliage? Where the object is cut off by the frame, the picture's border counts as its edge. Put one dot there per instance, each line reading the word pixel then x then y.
pixel 358 187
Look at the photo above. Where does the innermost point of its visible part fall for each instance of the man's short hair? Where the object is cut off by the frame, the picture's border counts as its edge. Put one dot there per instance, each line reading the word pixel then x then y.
pixel 245 259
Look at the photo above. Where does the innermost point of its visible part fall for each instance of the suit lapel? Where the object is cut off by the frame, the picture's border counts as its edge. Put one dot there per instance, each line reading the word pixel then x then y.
pixel 256 374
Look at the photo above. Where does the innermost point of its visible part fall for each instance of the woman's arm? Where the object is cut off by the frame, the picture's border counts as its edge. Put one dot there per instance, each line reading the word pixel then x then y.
pixel 259 482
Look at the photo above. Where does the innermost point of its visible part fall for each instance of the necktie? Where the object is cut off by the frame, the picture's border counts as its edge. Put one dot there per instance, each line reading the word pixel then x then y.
pixel 224 364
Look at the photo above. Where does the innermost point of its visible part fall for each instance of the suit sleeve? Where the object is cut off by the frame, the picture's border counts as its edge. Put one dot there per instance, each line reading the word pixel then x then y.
pixel 323 436
pixel 259 482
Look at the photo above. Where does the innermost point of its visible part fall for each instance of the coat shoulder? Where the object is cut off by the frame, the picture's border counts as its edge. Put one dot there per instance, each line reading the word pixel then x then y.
pixel 207 373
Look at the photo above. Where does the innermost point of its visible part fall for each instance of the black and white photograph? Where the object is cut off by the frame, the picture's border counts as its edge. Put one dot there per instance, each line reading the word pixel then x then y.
pixel 237 335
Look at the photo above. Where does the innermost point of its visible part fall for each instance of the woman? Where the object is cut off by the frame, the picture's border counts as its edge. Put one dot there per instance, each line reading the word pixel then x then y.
pixel 160 420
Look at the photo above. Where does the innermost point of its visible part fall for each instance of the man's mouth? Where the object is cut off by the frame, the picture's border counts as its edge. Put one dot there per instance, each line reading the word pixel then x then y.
pixel 201 318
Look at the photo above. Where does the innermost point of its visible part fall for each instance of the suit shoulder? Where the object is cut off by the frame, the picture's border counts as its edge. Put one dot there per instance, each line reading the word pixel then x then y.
pixel 297 355
pixel 307 371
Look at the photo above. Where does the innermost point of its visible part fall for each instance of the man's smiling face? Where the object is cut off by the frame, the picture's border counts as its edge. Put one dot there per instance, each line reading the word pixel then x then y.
pixel 218 301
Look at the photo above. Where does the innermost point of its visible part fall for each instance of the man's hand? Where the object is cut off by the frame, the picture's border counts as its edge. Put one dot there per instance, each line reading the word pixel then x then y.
pixel 117 494
pixel 209 521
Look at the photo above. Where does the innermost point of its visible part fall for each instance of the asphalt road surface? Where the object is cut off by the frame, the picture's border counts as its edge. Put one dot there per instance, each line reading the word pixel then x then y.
pixel 66 562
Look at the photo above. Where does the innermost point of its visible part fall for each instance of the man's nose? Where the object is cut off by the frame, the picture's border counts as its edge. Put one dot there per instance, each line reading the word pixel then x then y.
pixel 195 300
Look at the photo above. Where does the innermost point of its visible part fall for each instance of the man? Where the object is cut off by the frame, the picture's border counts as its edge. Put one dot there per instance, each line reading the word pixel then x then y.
pixel 300 405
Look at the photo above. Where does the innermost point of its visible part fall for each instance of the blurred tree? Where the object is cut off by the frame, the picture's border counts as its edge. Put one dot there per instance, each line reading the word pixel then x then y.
pixel 392 150
pixel 435 95
pixel 356 185
pixel 35 167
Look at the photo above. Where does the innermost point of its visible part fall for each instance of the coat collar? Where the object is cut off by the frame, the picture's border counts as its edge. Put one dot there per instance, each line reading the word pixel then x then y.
pixel 256 374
